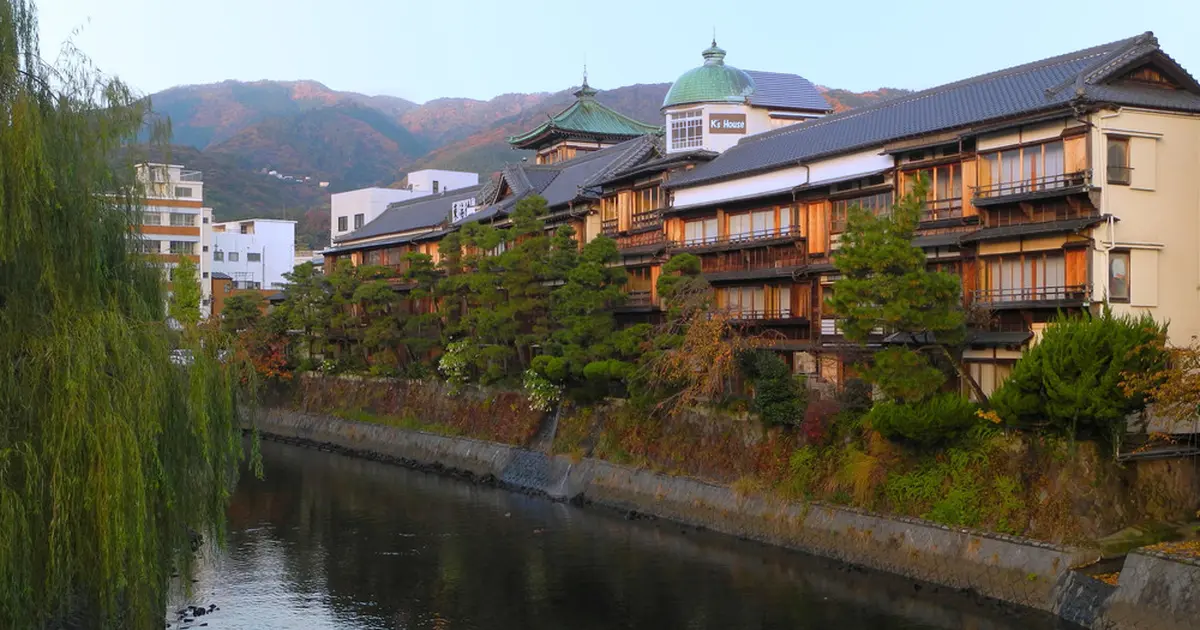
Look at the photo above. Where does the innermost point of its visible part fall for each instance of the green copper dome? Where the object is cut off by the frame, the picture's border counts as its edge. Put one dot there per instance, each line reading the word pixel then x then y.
pixel 713 82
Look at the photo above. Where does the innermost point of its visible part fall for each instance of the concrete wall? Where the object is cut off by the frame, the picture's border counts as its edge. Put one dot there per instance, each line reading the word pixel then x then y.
pixel 1155 590
pixel 273 240
pixel 1011 569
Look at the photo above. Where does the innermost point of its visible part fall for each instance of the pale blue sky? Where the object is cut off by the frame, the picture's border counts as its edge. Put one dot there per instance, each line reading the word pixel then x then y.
pixel 479 49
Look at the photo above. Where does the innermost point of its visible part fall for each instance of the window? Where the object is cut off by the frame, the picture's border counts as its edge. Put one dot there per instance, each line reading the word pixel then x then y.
pixel 435 186
pixel 645 200
pixel 1118 276
pixel 233 256
pixel 943 200
pixel 204 275
pixel 244 228
pixel 687 129
pixel 219 256
pixel 183 247
pixel 204 249
pixel 342 224
pixel 206 220
pixel 358 221
pixel 152 218
pixel 374 257
pixel 1025 169
pixel 1118 161
pixel 179 219
pixel 253 257
pixel 183 191
pixel 700 231
pixel 147 247
pixel 1030 276
pixel 880 204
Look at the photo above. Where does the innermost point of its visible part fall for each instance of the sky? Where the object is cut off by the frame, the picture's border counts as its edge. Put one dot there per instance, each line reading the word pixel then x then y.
pixel 484 48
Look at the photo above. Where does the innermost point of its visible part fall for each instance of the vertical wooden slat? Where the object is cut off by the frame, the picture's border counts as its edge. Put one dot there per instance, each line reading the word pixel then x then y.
pixel 1075 154
pixel 969 180
pixel 1076 262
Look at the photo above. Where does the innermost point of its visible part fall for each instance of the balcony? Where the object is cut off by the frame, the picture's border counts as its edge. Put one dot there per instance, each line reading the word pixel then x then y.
pixel 646 219
pixel 1034 188
pixel 191 176
pixel 776 315
pixel 1032 297
pixel 608 227
pixel 638 299
pixel 768 234
pixel 762 263
pixel 941 209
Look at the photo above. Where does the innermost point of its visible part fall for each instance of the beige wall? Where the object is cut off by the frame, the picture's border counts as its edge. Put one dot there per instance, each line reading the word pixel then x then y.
pixel 1159 215
pixel 1025 134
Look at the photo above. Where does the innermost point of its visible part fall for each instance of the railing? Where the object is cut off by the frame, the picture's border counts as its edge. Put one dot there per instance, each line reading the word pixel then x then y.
pixel 753 315
pixel 609 227
pixel 1120 175
pixel 191 176
pixel 648 218
pixel 939 209
pixel 638 240
pixel 1036 184
pixel 1030 294
pixel 831 327
pixel 639 298
pixel 787 259
pixel 741 237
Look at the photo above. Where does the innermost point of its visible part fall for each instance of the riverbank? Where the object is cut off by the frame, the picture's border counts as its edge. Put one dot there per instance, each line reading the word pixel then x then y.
pixel 1006 568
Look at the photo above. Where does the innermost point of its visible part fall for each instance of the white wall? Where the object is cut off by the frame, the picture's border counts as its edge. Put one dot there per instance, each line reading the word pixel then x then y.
pixel 863 163
pixel 758 120
pixel 422 181
pixel 370 202
pixel 274 241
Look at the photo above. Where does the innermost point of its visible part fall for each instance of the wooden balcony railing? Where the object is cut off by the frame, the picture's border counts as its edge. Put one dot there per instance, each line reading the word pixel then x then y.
pixel 649 218
pixel 609 227
pixel 756 315
pixel 939 209
pixel 1030 294
pixel 788 258
pixel 1032 185
pixel 639 298
pixel 741 237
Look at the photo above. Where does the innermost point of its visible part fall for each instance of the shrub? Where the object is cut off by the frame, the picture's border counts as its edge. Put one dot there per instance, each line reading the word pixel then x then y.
pixel 1072 382
pixel 819 417
pixel 905 375
pixel 942 419
pixel 779 398
pixel 856 396
pixel 543 394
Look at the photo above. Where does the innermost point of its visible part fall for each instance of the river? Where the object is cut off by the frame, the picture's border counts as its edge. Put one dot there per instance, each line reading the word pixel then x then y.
pixel 328 541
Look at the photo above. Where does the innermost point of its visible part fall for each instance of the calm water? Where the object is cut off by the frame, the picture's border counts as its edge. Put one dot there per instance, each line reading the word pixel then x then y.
pixel 327 541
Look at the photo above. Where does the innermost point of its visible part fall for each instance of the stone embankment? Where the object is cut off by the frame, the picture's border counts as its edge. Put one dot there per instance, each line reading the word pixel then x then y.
pixel 1155 591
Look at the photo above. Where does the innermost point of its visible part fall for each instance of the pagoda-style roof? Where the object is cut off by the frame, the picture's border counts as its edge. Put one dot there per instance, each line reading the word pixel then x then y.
pixel 586 119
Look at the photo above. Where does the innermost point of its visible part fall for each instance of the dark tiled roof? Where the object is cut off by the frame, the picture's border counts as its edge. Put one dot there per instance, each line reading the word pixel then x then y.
pixel 565 182
pixel 1051 84
pixel 412 214
pixel 786 91
pixel 220 275
pixel 989 339
pixel 936 240
pixel 1028 229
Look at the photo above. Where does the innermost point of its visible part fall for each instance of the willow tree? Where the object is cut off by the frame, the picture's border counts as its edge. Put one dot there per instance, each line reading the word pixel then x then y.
pixel 112 458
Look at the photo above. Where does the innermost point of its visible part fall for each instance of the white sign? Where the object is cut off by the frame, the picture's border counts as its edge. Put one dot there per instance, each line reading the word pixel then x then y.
pixel 462 209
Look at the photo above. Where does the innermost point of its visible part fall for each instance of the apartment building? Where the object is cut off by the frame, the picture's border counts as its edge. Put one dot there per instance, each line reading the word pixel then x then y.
pixel 175 222
pixel 1061 185
pixel 254 253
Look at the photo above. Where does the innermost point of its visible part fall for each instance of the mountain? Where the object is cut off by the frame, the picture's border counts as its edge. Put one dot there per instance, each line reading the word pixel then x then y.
pixel 236 132
pixel 350 145
pixel 205 114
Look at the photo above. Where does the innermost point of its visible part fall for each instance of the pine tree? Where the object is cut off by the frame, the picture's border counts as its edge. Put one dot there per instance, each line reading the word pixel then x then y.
pixel 886 285
pixel 242 310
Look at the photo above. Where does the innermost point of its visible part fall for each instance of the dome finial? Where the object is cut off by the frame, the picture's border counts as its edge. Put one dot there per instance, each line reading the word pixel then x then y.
pixel 714 55
pixel 585 90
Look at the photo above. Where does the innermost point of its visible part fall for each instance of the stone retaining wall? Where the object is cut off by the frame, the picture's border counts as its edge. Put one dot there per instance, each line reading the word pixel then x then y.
pixel 1021 571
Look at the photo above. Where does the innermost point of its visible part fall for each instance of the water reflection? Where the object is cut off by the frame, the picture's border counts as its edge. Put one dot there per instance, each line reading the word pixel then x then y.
pixel 327 541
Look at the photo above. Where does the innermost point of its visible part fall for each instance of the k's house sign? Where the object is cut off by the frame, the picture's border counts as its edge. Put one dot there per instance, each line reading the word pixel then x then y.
pixel 727 123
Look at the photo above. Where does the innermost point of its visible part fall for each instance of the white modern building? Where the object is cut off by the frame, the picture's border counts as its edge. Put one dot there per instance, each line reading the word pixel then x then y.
pixel 353 209
pixel 255 253
pixel 175 222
